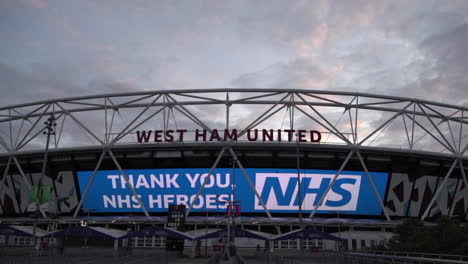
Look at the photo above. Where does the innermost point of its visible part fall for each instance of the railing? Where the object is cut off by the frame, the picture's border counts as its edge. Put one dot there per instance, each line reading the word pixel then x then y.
pixel 421 255
pixel 403 257
pixel 270 258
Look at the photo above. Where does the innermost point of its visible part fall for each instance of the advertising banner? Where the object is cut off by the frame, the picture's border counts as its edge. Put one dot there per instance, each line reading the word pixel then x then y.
pixel 158 188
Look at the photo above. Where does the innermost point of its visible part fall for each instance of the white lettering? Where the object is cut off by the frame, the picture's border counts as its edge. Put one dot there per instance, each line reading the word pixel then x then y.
pixel 199 200
pixel 182 199
pixel 223 198
pixel 168 199
pixel 159 181
pixel 227 177
pixel 211 201
pixel 108 201
pixel 123 182
pixel 193 179
pixel 141 181
pixel 210 183
pixel 135 201
pixel 172 180
pixel 152 201
pixel 121 201
pixel 113 178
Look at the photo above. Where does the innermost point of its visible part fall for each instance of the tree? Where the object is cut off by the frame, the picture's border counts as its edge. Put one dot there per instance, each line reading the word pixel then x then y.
pixel 448 236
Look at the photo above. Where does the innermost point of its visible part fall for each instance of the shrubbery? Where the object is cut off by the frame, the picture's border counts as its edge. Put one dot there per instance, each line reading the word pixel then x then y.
pixel 448 236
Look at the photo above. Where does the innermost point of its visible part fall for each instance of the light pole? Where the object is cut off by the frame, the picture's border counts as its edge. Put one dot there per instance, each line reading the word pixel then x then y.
pixel 299 191
pixel 230 206
pixel 339 231
pixel 206 231
pixel 206 234
pixel 86 224
pixel 49 130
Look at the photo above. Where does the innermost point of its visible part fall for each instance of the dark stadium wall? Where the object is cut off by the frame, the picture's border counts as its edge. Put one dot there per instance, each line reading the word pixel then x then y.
pixel 405 196
pixel 15 195
pixel 410 197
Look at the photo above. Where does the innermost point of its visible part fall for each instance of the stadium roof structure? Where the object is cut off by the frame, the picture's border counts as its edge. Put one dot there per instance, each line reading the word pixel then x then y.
pixel 24 231
pixel 158 231
pixel 87 231
pixel 308 233
pixel 235 231
pixel 362 128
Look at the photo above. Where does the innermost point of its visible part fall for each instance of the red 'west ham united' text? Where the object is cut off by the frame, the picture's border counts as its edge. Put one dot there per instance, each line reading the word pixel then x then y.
pixel 203 135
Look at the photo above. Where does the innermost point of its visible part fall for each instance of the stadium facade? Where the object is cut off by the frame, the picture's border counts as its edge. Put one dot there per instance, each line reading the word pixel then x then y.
pixel 290 157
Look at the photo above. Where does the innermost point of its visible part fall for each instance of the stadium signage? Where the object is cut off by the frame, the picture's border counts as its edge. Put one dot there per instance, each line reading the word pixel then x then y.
pixel 159 188
pixel 204 135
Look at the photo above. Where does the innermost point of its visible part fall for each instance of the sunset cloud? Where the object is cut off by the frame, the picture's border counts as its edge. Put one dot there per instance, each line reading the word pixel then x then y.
pixel 410 48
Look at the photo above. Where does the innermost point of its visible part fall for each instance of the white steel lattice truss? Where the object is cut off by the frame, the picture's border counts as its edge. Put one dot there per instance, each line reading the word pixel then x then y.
pixel 352 121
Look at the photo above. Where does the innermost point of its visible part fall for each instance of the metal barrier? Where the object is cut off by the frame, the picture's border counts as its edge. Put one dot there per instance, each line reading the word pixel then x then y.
pixel 420 255
pixel 402 257
pixel 270 258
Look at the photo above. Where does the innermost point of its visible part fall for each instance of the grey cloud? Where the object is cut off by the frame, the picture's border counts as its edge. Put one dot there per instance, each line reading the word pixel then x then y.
pixel 290 74
pixel 415 49
pixel 18 87
pixel 446 80
pixel 47 83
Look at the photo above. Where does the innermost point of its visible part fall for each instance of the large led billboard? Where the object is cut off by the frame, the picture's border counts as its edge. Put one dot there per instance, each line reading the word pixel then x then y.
pixel 352 192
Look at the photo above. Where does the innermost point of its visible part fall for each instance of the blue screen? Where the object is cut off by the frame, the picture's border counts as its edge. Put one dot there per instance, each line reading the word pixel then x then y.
pixel 351 193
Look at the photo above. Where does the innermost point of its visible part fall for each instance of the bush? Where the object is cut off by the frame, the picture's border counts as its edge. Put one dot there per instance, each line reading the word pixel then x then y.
pixel 448 236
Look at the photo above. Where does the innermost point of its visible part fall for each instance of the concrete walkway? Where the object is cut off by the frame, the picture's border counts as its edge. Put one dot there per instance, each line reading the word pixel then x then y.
pixel 159 256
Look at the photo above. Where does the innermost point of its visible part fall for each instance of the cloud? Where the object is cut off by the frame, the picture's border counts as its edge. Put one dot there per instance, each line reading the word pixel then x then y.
pixel 415 49
pixel 299 73
pixel 386 47
pixel 38 4
pixel 53 83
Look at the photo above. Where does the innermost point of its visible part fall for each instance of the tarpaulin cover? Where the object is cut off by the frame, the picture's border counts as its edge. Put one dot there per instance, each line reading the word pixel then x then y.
pixel 83 231
pixel 238 232
pixel 308 233
pixel 158 231
pixel 25 231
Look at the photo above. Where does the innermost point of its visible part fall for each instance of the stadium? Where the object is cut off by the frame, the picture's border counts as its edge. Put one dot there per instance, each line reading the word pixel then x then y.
pixel 350 164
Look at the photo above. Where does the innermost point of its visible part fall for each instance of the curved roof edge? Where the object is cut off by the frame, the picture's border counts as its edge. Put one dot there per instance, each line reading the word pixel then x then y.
pixel 237 90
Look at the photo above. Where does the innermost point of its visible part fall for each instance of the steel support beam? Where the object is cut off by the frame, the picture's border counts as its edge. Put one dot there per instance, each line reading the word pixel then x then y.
pixel 189 114
pixel 125 131
pixel 262 117
pixel 80 124
pixel 5 173
pixel 452 149
pixel 441 186
pixel 128 184
pixel 385 123
pixel 371 181
pixel 120 136
pixel 430 134
pixel 461 129
pixel 462 170
pixel 4 144
pixel 331 126
pixel 20 169
pixel 246 99
pixel 202 187
pixel 337 134
pixel 22 173
pixel 246 176
pixel 331 183
pixel 88 186
pixel 32 128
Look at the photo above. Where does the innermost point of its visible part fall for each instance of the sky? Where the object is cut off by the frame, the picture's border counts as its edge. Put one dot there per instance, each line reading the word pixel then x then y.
pixel 55 49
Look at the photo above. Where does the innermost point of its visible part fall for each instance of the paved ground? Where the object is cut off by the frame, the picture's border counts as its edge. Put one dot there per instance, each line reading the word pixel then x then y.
pixel 143 256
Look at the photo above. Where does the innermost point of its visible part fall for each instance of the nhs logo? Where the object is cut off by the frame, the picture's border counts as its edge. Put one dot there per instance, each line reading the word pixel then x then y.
pixel 279 191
